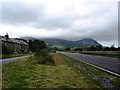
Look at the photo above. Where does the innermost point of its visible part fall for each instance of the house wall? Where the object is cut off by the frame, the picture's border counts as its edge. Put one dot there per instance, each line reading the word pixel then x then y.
pixel 9 45
pixel 0 48
pixel 14 44
pixel 24 47
pixel 16 47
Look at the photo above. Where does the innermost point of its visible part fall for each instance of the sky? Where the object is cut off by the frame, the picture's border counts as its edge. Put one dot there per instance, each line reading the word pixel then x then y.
pixel 62 19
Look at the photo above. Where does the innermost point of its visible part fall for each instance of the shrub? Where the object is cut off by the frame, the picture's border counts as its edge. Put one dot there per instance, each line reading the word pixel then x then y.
pixel 7 50
pixel 43 57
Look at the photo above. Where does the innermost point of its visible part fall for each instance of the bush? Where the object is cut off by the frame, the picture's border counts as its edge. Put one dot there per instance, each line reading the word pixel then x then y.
pixel 43 57
pixel 7 50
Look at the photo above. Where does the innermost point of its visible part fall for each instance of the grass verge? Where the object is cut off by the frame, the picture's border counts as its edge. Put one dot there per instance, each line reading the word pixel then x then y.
pixel 25 73
pixel 11 55
pixel 113 79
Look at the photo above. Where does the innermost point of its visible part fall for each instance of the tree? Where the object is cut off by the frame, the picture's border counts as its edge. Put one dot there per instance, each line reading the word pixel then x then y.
pixel 67 49
pixel 36 45
pixel 6 50
pixel 118 48
pixel 55 48
pixel 92 48
pixel 112 48
pixel 106 49
pixel 75 49
pixel 98 48
pixel 78 49
pixel 31 45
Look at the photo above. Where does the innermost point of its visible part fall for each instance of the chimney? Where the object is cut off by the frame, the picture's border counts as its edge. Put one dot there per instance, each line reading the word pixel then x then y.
pixel 7 36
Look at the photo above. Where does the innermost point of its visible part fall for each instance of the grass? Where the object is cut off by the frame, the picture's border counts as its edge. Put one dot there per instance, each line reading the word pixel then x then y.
pixel 113 79
pixel 25 73
pixel 11 55
pixel 58 46
pixel 0 56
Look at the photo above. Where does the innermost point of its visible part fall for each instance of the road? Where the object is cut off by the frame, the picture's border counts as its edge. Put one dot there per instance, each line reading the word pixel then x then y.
pixel 2 61
pixel 108 64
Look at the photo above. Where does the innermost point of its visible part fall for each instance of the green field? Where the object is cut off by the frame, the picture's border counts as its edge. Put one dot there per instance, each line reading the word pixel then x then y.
pixel 25 73
pixel 57 46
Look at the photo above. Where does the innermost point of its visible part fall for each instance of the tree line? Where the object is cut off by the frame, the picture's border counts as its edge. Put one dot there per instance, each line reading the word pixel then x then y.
pixel 94 48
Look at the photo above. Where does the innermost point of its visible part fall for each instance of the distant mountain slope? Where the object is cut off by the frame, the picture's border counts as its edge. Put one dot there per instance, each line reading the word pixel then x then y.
pixel 88 41
pixel 59 42
pixel 28 38
pixel 68 43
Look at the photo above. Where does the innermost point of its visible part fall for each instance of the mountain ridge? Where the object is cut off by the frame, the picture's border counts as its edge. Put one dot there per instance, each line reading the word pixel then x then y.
pixel 67 43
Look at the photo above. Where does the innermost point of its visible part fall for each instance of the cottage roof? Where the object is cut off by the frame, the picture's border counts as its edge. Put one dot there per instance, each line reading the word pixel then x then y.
pixel 13 40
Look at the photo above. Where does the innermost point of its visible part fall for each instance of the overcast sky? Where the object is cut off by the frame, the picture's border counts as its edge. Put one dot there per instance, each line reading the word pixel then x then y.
pixel 63 19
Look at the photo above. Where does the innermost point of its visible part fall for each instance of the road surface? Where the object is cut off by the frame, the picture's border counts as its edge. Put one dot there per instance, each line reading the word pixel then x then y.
pixel 2 61
pixel 111 65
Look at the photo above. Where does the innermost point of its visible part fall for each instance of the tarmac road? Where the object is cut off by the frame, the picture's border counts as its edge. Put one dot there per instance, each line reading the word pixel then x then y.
pixel 2 61
pixel 106 63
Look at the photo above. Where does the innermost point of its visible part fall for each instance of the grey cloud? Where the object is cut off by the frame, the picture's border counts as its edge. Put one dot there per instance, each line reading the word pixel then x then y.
pixel 103 19
pixel 108 33
pixel 57 22
pixel 20 13
pixel 119 23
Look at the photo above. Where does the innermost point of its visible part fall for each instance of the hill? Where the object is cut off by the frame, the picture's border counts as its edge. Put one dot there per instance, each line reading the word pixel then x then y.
pixel 67 43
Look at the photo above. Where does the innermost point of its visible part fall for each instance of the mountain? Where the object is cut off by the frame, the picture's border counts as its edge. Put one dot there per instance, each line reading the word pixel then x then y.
pixel 67 43
pixel 88 42
pixel 61 42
